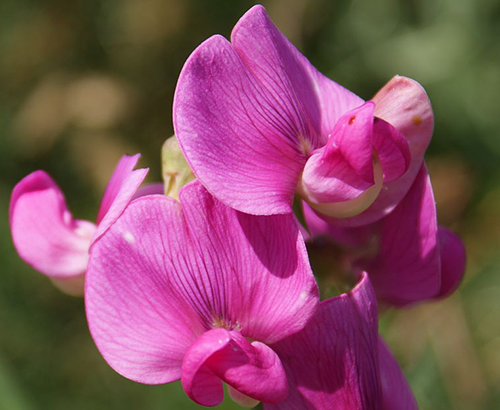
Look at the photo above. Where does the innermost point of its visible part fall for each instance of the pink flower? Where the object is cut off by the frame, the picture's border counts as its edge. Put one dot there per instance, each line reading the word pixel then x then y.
pixel 46 235
pixel 409 258
pixel 338 361
pixel 199 292
pixel 258 124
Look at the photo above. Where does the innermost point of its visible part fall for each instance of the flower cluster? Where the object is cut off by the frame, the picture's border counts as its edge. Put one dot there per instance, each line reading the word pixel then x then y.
pixel 212 283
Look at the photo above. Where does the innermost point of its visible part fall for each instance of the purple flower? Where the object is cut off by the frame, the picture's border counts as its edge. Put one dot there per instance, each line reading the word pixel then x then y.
pixel 258 123
pixel 46 235
pixel 199 292
pixel 409 258
pixel 194 290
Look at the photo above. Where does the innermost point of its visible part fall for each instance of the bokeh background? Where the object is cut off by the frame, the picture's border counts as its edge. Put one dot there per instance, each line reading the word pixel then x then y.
pixel 82 82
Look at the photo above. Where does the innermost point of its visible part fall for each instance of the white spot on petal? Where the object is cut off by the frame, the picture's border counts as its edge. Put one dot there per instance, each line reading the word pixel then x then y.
pixel 303 295
pixel 129 237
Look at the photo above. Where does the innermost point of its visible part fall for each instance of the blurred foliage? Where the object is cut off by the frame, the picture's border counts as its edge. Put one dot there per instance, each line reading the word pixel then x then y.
pixel 84 81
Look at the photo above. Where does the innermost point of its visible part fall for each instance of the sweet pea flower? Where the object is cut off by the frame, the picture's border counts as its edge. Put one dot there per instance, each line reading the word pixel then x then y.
pixel 338 361
pixel 409 258
pixel 196 291
pixel 259 124
pixel 46 235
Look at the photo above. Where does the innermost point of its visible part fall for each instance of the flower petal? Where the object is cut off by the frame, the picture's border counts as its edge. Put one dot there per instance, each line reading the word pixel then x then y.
pixel 239 141
pixel 407 267
pixel 156 188
pixel 344 177
pixel 338 177
pixel 392 150
pixel 199 382
pixel 251 368
pixel 164 273
pixel 333 362
pixel 453 261
pixel 43 230
pixel 404 104
pixel 140 322
pixel 396 393
pixel 256 271
pixel 121 188
pixel 289 76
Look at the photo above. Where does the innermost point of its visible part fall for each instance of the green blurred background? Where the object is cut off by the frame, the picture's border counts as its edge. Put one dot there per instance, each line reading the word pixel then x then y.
pixel 82 82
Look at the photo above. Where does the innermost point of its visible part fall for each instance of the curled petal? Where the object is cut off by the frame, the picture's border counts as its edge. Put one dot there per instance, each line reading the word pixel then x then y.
pixel 407 267
pixel 121 188
pixel 404 104
pixel 250 368
pixel 392 150
pixel 453 261
pixel 199 382
pixel 333 362
pixel 43 230
pixel 339 179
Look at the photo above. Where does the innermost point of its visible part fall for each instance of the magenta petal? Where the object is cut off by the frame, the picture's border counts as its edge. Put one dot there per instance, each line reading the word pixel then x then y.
pixel 453 261
pixel 139 319
pixel 156 188
pixel 333 362
pixel 43 230
pixel 251 368
pixel 199 382
pixel 255 269
pixel 407 268
pixel 165 272
pixel 239 141
pixel 121 188
pixel 343 168
pixel 396 393
pixel 404 104
pixel 271 59
pixel 392 150
pixel 290 76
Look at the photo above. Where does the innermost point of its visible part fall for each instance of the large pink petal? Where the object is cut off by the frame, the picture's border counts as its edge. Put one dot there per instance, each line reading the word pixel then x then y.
pixel 256 275
pixel 248 114
pixel 43 230
pixel 396 393
pixel 221 355
pixel 139 318
pixel 407 267
pixel 165 273
pixel 239 141
pixel 453 261
pixel 333 362
pixel 121 188
pixel 289 75
pixel 404 104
